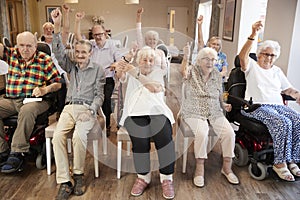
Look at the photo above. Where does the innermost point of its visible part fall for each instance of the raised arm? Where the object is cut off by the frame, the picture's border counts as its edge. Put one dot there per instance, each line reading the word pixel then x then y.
pixel 66 23
pixel 185 60
pixel 139 35
pixel 78 17
pixel 244 53
pixel 200 33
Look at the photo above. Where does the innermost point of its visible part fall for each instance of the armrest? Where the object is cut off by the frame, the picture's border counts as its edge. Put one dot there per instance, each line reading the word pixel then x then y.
pixel 242 103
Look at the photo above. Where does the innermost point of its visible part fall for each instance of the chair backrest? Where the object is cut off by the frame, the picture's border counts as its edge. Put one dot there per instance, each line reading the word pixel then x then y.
pixel 165 49
pixel 236 86
pixel 42 46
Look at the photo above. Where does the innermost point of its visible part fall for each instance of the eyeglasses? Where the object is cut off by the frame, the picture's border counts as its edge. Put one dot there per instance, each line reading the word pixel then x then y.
pixel 266 55
pixel 208 59
pixel 98 34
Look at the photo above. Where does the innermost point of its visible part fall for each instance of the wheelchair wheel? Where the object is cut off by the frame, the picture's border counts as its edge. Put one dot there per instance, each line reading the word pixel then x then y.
pixel 40 161
pixel 241 155
pixel 258 171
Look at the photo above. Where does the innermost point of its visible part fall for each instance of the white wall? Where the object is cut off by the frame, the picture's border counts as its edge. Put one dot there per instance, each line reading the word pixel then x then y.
pixel 293 71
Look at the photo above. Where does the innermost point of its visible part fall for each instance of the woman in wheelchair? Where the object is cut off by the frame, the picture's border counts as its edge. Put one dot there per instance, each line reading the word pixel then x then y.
pixel 202 107
pixel 265 84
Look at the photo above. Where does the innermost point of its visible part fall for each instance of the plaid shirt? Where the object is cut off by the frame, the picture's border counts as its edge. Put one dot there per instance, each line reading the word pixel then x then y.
pixel 22 78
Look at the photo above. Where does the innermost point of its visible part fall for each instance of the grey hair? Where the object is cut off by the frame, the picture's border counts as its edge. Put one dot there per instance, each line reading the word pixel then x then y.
pixel 145 52
pixel 204 52
pixel 269 44
pixel 154 34
pixel 85 42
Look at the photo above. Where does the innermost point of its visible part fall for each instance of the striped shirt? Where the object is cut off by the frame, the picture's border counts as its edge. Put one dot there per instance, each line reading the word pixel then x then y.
pixel 22 78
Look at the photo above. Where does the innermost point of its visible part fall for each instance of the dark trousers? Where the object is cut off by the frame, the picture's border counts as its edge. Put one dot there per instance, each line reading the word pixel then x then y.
pixel 158 128
pixel 106 107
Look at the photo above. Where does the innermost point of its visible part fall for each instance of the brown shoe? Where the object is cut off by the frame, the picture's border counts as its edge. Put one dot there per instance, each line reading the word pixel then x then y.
pixel 64 192
pixel 139 187
pixel 79 187
pixel 168 189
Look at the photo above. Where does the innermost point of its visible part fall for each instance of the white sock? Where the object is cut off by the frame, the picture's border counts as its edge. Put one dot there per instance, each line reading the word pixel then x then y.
pixel 146 178
pixel 166 177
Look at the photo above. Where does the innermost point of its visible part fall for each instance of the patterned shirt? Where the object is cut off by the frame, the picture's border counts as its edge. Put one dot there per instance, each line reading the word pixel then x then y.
pixel 222 61
pixel 22 78
pixel 202 99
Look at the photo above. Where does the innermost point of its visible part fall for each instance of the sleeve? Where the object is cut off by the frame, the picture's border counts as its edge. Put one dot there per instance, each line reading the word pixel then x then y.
pixel 51 72
pixel 285 83
pixel 59 52
pixel 139 35
pixel 99 90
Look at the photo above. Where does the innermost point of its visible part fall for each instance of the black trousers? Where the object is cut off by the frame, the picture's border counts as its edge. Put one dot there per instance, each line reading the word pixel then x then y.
pixel 106 107
pixel 158 128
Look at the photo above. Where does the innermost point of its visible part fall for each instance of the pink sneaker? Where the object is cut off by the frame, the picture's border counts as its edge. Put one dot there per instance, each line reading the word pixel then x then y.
pixel 168 189
pixel 139 187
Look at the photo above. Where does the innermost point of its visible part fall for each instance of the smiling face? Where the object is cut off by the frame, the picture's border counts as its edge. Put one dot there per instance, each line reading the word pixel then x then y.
pixel 48 29
pixel 266 58
pixel 26 44
pixel 99 34
pixel 151 39
pixel 83 52
pixel 215 43
pixel 146 64
pixel 206 59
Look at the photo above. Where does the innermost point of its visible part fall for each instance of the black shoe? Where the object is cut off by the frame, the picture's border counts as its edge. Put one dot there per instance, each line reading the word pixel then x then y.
pixel 14 163
pixel 79 187
pixel 3 157
pixel 65 190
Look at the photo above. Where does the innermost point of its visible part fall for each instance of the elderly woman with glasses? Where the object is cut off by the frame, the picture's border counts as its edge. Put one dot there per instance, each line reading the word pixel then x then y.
pixel 203 108
pixel 265 84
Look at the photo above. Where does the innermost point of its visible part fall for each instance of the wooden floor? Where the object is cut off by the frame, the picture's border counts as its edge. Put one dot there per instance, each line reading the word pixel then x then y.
pixel 33 183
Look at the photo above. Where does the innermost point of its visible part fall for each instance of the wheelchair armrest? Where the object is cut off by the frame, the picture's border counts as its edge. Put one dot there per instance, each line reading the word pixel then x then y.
pixel 287 97
pixel 242 103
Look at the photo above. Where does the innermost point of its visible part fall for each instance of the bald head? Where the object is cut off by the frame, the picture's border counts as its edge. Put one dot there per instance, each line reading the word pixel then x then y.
pixel 26 43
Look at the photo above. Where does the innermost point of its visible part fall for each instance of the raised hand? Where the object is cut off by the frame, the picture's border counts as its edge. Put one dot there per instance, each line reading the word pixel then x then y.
pixel 66 8
pixel 256 27
pixel 56 16
pixel 200 20
pixel 140 11
pixel 79 16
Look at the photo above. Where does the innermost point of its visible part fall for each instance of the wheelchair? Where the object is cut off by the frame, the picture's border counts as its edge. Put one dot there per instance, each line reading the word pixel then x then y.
pixel 253 143
pixel 37 139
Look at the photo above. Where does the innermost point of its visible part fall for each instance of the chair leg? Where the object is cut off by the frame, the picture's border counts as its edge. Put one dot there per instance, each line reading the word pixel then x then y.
pixel 96 157
pixel 119 159
pixel 128 148
pixel 48 155
pixel 104 141
pixel 185 151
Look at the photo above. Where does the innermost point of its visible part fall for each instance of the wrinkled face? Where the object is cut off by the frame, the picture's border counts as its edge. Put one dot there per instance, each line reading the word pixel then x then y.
pixel 82 53
pixel 146 64
pixel 99 35
pixel 215 44
pixel 26 46
pixel 151 41
pixel 208 62
pixel 266 58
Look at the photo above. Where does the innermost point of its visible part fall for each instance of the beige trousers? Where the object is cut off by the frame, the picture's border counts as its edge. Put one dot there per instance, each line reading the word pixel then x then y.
pixel 67 122
pixel 222 129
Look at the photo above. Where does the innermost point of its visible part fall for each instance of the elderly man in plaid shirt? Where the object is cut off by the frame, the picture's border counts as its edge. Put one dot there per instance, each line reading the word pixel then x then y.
pixel 31 73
